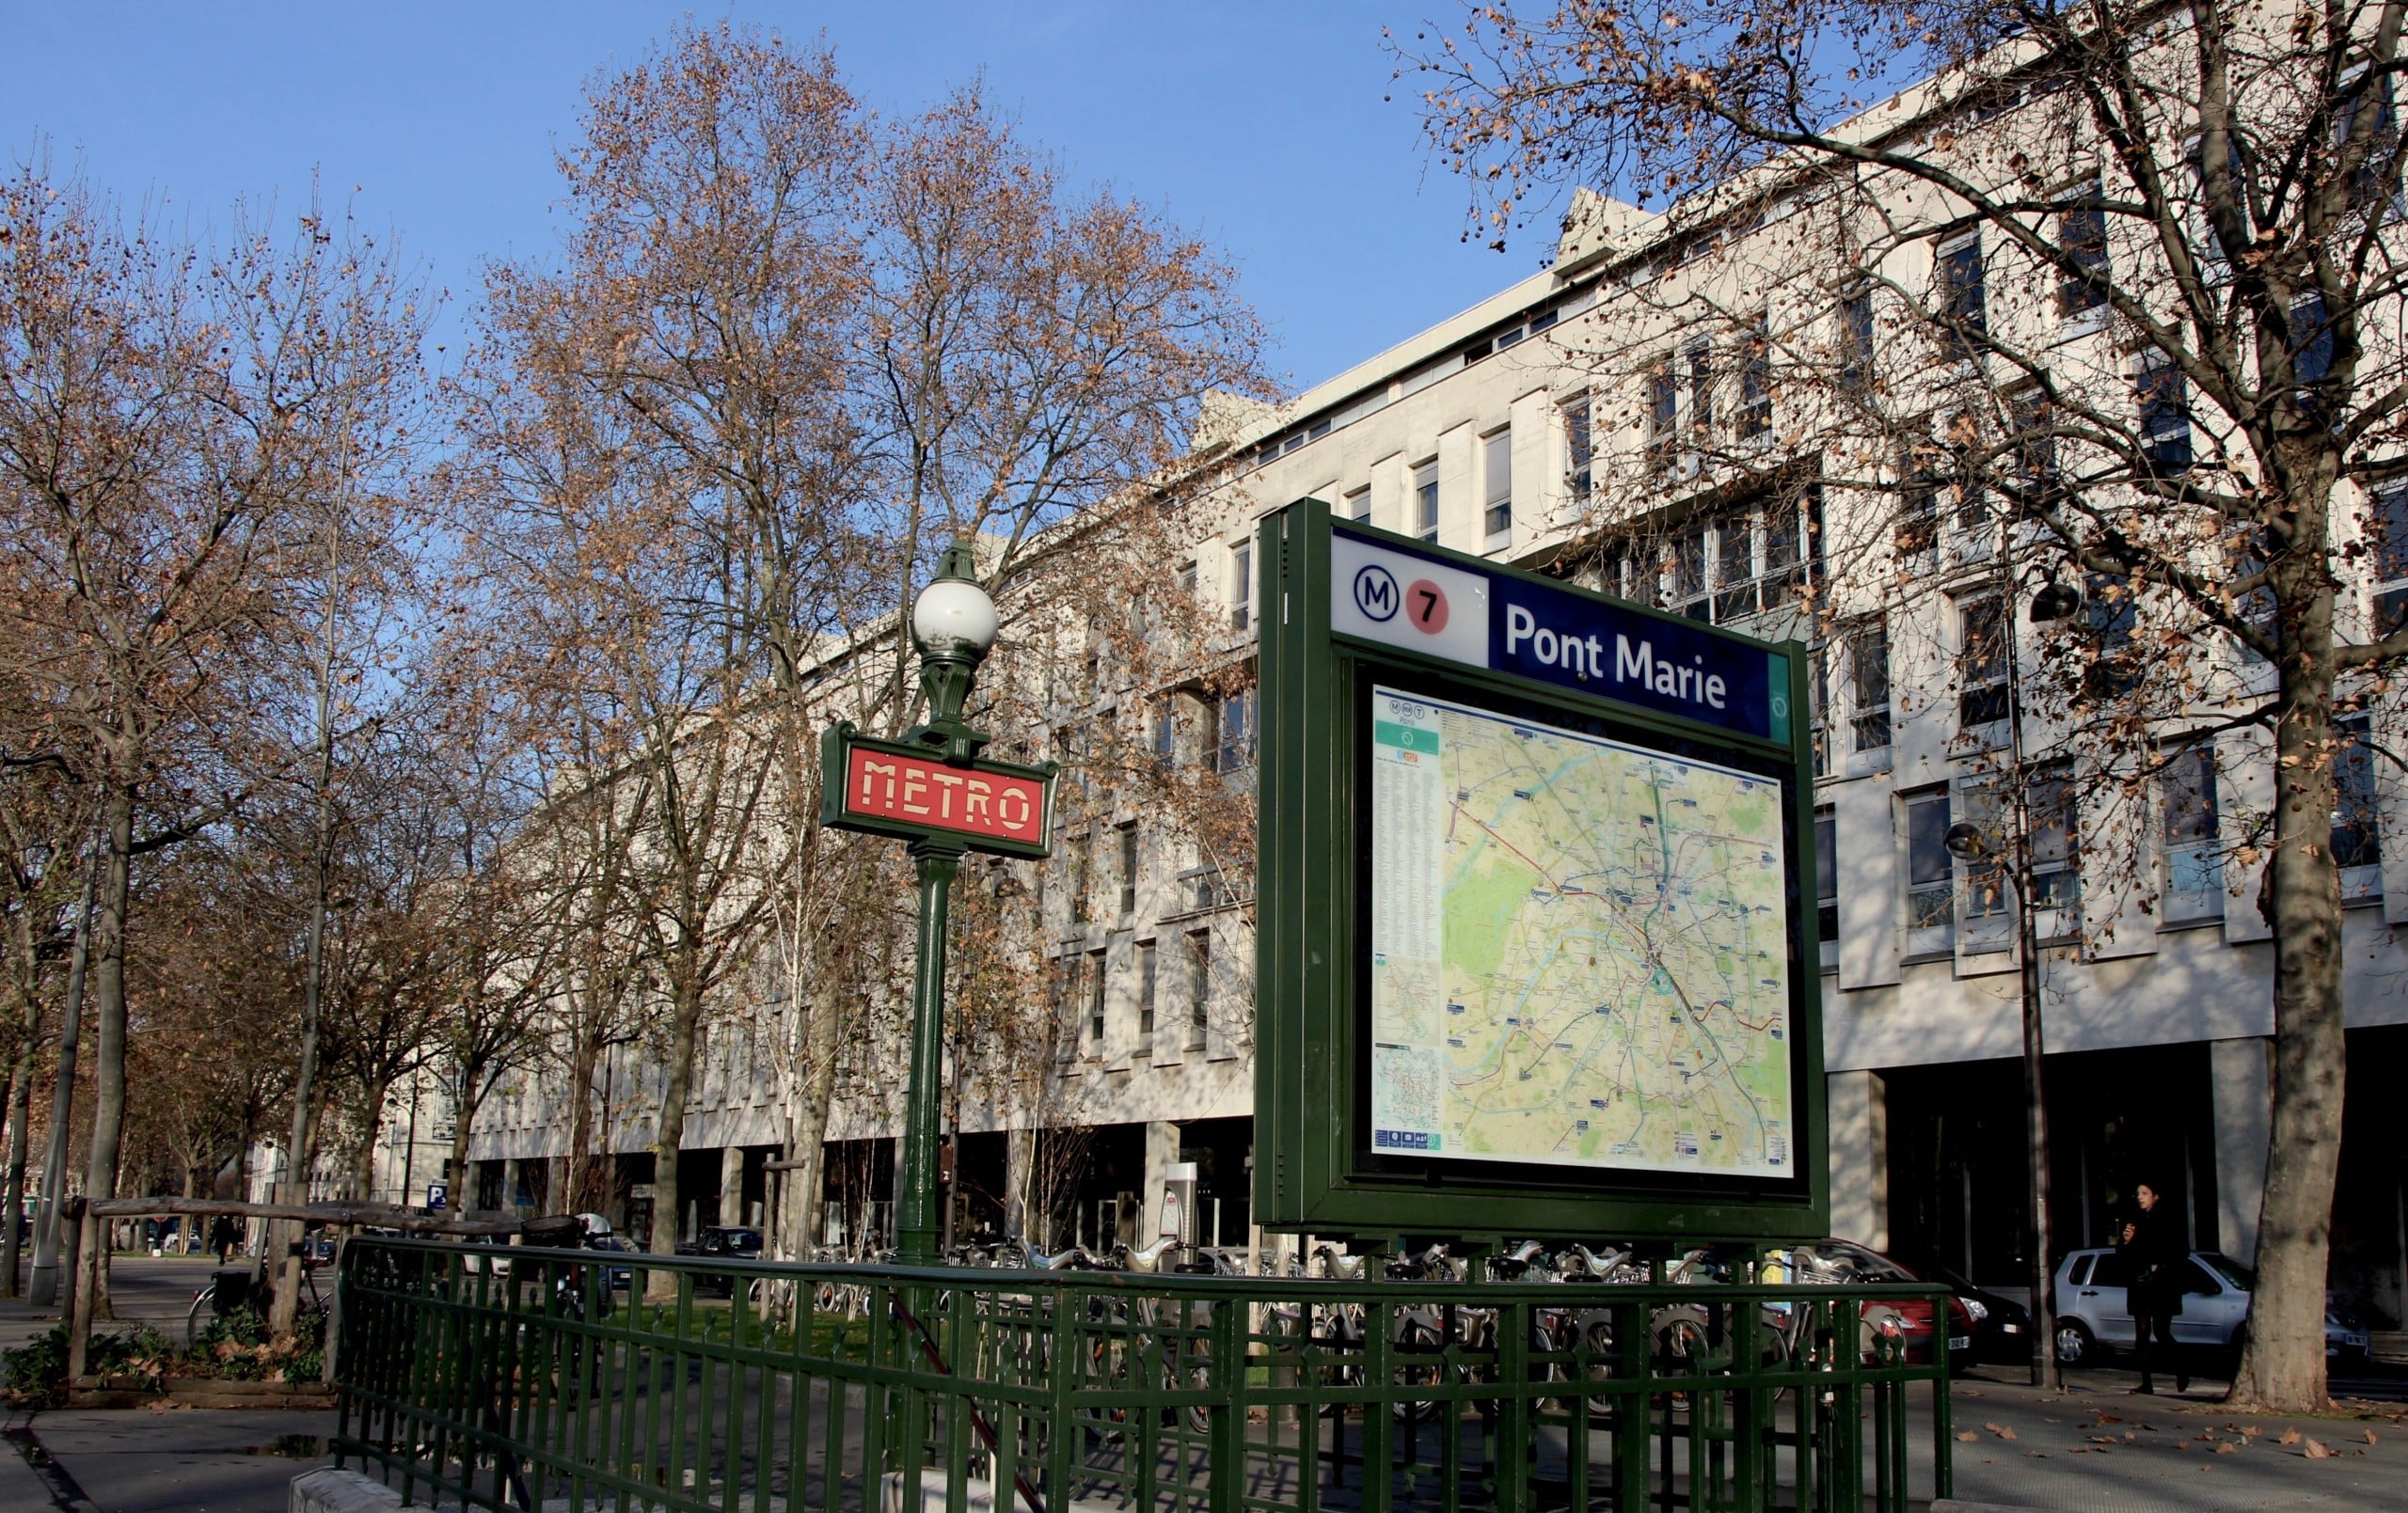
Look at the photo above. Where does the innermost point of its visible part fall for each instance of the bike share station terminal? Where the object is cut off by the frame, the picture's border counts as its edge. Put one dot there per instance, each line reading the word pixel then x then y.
pixel 1532 964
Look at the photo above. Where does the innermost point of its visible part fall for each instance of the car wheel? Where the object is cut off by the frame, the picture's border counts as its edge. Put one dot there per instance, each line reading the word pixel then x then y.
pixel 2075 1347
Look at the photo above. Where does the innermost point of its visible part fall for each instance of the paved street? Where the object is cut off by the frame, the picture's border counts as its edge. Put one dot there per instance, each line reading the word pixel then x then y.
pixel 2098 1449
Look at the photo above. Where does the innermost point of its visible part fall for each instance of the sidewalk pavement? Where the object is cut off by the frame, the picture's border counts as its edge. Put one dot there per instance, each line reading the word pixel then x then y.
pixel 154 1460
pixel 2098 1449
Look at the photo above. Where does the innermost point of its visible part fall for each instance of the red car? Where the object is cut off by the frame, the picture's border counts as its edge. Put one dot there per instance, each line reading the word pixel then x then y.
pixel 1845 1263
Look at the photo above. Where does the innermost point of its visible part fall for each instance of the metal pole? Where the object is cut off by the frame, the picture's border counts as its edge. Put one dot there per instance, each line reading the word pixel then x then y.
pixel 2036 1133
pixel 939 863
pixel 2035 1109
pixel 43 1290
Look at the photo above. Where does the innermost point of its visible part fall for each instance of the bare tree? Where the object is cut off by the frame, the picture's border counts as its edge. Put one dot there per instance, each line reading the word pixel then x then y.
pixel 2218 183
pixel 167 413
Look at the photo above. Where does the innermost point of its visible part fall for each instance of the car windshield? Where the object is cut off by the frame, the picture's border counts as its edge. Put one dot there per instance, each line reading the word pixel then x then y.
pixel 2229 1270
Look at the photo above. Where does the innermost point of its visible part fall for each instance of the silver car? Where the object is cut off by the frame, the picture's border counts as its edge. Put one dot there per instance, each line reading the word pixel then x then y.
pixel 2092 1311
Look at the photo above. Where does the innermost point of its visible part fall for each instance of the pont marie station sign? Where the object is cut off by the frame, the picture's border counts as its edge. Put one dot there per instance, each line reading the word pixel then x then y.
pixel 1533 954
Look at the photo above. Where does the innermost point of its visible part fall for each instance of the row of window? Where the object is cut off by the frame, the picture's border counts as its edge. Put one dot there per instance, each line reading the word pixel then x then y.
pixel 1082 978
pixel 1197 889
pixel 1949 901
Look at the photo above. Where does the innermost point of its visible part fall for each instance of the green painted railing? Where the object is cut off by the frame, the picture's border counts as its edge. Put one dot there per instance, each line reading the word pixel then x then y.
pixel 493 1379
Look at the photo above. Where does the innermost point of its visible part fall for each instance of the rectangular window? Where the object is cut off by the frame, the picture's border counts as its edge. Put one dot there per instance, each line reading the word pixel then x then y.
pixel 1916 535
pixel 2082 237
pixel 1187 578
pixel 1496 479
pixel 2389 525
pixel 1698 361
pixel 2056 873
pixel 1930 874
pixel 1826 883
pixel 2357 833
pixel 2193 856
pixel 1985 894
pixel 1756 380
pixel 1963 295
pixel 2164 399
pixel 1095 997
pixel 1166 731
pixel 1425 501
pixel 1856 341
pixel 1981 661
pixel 2366 137
pixel 1359 504
pixel 1236 730
pixel 1240 585
pixel 1078 844
pixel 2032 458
pixel 1663 414
pixel 1578 447
pixel 1146 968
pixel 2311 352
pixel 1868 661
pixel 1127 835
pixel 1199 986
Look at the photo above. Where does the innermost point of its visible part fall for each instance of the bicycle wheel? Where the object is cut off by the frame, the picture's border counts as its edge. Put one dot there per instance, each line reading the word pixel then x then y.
pixel 1680 1338
pixel 1419 1340
pixel 199 1316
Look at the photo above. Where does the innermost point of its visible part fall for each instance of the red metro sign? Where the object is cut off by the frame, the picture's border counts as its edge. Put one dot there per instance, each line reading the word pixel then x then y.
pixel 888 788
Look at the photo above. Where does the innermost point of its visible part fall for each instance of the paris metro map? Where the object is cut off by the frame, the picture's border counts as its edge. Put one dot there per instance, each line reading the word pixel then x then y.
pixel 1579 950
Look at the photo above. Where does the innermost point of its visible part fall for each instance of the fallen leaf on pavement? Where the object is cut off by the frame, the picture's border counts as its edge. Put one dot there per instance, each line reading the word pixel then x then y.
pixel 2289 1437
pixel 1967 1436
pixel 2371 1437
pixel 2249 1431
pixel 2319 1450
pixel 2109 1418
pixel 2001 1430
pixel 2103 1439
pixel 2035 1454
pixel 2225 1447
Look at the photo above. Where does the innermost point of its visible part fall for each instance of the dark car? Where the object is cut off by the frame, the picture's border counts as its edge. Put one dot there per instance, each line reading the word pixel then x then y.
pixel 2002 1326
pixel 618 1244
pixel 728 1241
pixel 723 1242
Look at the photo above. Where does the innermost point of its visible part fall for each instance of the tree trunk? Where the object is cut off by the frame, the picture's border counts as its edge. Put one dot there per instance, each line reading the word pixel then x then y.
pixel 363 1154
pixel 21 1089
pixel 669 1134
pixel 456 1166
pixel 2282 1365
pixel 808 1126
pixel 108 1013
pixel 584 1058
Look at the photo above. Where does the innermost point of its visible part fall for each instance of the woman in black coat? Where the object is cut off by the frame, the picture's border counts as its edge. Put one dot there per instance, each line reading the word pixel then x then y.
pixel 2157 1255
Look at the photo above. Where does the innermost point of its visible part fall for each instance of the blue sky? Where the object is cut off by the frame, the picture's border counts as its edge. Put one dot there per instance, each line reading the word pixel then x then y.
pixel 1261 125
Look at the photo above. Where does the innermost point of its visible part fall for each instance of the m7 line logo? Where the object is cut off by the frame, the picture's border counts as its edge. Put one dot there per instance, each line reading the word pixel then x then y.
pixel 1378 597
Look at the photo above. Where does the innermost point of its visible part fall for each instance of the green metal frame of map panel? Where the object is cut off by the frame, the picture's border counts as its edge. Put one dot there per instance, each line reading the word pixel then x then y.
pixel 1313 1170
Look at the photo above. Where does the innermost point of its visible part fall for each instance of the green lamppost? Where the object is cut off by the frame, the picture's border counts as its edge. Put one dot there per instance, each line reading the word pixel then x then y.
pixel 953 626
pixel 933 789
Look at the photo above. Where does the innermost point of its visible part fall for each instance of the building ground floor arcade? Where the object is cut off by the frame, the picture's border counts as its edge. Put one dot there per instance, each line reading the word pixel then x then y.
pixel 1927 1162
